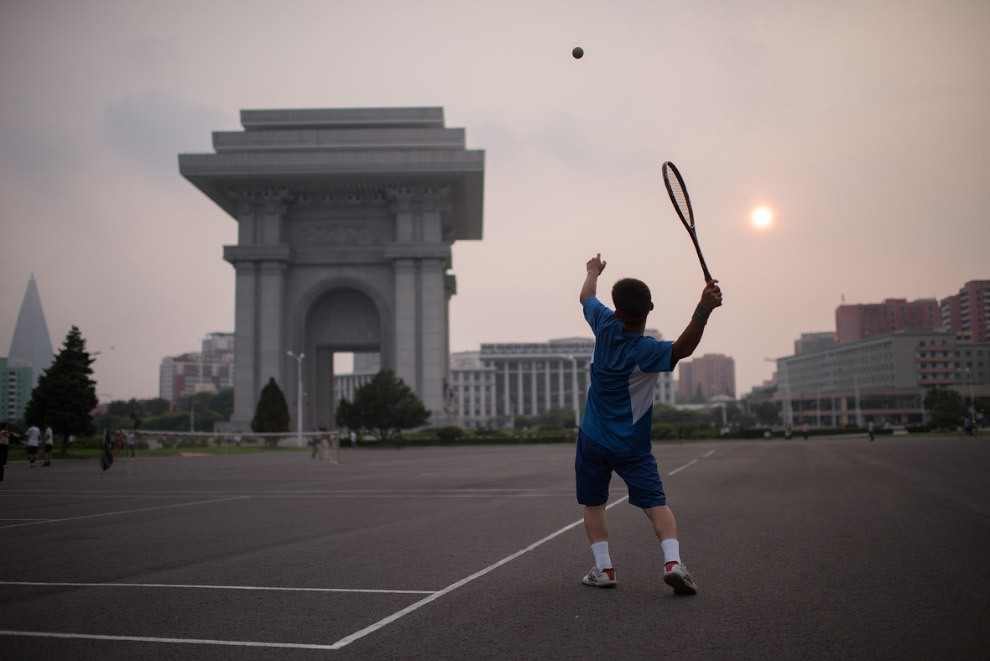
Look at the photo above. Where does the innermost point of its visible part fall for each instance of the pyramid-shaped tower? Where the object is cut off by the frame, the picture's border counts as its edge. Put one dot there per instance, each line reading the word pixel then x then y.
pixel 31 346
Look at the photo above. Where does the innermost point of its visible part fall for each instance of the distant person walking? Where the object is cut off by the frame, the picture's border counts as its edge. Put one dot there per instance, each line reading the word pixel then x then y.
pixel 4 446
pixel 33 433
pixel 106 456
pixel 869 428
pixel 49 442
pixel 129 448
pixel 804 430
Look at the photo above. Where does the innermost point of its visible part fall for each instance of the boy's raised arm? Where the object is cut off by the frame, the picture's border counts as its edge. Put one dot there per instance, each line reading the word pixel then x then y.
pixel 595 266
pixel 711 298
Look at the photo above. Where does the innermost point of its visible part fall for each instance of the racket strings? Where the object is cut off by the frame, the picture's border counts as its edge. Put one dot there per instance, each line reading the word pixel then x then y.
pixel 678 193
pixel 681 200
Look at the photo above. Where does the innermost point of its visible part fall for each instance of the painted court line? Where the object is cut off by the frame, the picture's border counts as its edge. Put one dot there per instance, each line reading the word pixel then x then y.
pixel 347 640
pixel 143 509
pixel 678 470
pixel 148 639
pixel 693 461
pixel 210 587
pixel 343 642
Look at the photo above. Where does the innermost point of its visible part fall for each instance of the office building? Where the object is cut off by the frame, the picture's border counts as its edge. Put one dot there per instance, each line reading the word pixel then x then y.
pixel 968 311
pixel 210 370
pixel 882 378
pixel 705 377
pixel 858 322
pixel 29 356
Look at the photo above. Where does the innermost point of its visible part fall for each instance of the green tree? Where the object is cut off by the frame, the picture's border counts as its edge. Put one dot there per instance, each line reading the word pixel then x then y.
pixel 272 413
pixel 157 406
pixel 766 413
pixel 66 395
pixel 383 406
pixel 946 408
pixel 982 406
pixel 223 403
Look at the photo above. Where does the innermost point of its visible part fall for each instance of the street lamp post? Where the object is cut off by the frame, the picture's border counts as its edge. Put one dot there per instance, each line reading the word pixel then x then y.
pixel 299 396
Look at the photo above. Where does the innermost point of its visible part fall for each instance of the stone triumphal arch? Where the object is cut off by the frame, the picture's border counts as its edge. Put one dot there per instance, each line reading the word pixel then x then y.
pixel 346 219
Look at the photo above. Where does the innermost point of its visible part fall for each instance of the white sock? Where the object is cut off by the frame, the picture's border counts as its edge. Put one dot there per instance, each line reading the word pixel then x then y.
pixel 602 559
pixel 671 550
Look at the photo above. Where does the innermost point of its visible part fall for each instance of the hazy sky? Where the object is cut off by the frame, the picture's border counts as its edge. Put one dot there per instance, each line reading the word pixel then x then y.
pixel 862 125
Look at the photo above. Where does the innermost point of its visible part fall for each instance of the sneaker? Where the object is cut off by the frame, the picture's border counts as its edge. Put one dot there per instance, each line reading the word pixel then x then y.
pixel 600 579
pixel 677 577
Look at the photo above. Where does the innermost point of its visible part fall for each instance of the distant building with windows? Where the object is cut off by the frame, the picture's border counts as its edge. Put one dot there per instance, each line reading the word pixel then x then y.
pixel 812 342
pixel 29 356
pixel 859 322
pixel 209 370
pixel 706 376
pixel 881 379
pixel 968 311
pixel 16 391
pixel 490 387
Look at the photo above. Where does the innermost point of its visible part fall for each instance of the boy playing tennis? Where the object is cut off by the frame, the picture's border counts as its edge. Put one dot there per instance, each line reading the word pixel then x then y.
pixel 615 430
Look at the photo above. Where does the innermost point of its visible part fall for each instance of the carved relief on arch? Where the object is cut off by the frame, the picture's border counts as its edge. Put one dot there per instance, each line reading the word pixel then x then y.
pixel 418 199
pixel 364 232
pixel 267 200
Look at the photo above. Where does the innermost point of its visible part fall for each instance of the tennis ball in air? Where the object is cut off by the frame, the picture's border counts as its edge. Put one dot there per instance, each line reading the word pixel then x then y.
pixel 578 52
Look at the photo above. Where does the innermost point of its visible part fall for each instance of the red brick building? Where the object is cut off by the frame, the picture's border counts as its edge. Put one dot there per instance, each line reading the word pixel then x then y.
pixel 858 322
pixel 969 310
pixel 710 375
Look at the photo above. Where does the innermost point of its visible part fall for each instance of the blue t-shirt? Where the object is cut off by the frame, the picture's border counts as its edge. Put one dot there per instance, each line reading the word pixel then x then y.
pixel 619 410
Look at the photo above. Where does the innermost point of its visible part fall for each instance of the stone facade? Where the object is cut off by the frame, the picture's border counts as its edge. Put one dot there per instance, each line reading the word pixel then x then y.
pixel 346 219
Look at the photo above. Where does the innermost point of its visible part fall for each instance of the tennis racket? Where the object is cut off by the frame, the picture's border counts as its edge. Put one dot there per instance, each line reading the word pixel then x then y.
pixel 682 204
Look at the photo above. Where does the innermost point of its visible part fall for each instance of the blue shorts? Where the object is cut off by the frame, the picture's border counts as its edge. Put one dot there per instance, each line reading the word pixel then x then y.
pixel 593 466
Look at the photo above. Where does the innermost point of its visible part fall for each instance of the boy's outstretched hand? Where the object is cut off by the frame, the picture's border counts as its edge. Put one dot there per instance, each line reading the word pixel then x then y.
pixel 711 297
pixel 596 265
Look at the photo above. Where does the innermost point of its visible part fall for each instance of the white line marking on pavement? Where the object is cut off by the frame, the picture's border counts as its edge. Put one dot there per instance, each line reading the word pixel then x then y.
pixel 211 587
pixel 347 640
pixel 678 470
pixel 143 509
pixel 343 642
pixel 148 639
pixel 708 454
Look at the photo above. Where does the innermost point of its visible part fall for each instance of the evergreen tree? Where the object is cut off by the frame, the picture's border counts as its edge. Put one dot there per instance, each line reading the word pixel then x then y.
pixel 66 395
pixel 383 406
pixel 272 413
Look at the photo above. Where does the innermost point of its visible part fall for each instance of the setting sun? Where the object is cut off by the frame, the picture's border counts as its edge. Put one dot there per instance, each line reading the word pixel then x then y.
pixel 762 217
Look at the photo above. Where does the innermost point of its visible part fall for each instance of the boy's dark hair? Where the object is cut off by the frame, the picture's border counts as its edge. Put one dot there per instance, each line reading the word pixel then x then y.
pixel 631 298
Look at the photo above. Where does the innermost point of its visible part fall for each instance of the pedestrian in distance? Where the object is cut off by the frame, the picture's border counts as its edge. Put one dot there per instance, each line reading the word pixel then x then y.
pixel 33 434
pixel 804 430
pixel 869 428
pixel 615 430
pixel 49 442
pixel 129 447
pixel 106 456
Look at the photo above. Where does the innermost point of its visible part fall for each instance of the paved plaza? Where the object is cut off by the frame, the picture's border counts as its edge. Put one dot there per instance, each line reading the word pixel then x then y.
pixel 831 548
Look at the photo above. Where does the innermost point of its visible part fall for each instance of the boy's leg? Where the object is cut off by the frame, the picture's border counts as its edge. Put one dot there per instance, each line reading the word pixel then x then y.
pixel 675 573
pixel 593 473
pixel 664 524
pixel 596 524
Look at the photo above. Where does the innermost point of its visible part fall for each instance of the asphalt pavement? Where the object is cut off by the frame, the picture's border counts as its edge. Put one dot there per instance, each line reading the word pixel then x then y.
pixel 828 548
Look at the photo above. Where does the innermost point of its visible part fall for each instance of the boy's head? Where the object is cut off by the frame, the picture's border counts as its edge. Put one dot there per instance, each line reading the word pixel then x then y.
pixel 632 301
